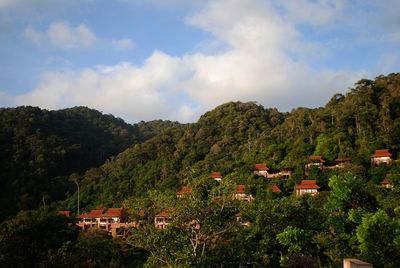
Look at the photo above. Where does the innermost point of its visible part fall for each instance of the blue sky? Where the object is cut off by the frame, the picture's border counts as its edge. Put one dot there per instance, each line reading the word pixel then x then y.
pixel 176 59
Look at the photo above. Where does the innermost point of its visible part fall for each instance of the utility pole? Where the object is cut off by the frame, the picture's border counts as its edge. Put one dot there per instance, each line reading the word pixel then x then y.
pixel 77 184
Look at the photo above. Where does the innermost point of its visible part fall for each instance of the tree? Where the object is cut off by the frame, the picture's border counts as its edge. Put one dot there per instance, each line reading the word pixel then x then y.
pixel 378 235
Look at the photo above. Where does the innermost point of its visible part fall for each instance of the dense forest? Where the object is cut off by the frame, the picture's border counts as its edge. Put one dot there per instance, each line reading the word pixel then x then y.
pixel 40 149
pixel 352 216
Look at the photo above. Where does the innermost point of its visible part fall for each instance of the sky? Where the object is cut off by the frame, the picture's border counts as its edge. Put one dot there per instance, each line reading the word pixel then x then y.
pixel 177 59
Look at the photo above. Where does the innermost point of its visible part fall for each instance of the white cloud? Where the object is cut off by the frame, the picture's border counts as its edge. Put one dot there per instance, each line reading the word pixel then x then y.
pixel 62 35
pixel 134 93
pixel 254 63
pixel 317 13
pixel 124 43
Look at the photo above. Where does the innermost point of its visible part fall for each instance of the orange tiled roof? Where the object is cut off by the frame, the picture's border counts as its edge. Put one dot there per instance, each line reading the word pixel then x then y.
pixel 260 167
pixel 65 212
pixel 114 212
pixel 316 158
pixel 99 213
pixel 184 190
pixel 240 189
pixel 385 181
pixel 381 153
pixel 307 184
pixel 166 212
pixel 216 175
pixel 344 159
pixel 275 189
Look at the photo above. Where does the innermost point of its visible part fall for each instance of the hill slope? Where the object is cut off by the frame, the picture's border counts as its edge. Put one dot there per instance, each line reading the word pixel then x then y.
pixel 39 149
pixel 235 136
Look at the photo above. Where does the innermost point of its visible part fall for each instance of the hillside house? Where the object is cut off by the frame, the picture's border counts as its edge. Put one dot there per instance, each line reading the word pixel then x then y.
pixel 240 220
pixel 241 195
pixel 113 220
pixel 66 213
pixel 382 156
pixel 355 263
pixel 163 219
pixel 184 191
pixel 307 187
pixel 261 170
pixel 216 176
pixel 275 189
pixel 385 183
pixel 315 161
pixel 341 162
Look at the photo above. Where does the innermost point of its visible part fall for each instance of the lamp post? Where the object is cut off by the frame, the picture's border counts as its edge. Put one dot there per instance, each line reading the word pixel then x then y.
pixel 77 184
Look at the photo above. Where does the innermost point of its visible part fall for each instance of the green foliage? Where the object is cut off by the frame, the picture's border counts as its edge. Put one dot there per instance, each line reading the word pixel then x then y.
pixel 39 149
pixel 32 237
pixel 45 239
pixel 378 235
pixel 351 217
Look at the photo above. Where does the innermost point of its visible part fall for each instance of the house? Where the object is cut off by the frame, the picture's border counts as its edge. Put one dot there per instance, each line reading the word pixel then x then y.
pixel 91 219
pixel 66 213
pixel 275 189
pixel 240 220
pixel 307 187
pixel 261 170
pixel 385 183
pixel 113 221
pixel 354 263
pixel 163 219
pixel 341 162
pixel 241 195
pixel 315 161
pixel 216 175
pixel 184 191
pixel 382 156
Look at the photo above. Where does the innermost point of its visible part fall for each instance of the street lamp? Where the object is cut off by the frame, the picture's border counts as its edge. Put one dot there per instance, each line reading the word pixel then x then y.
pixel 77 184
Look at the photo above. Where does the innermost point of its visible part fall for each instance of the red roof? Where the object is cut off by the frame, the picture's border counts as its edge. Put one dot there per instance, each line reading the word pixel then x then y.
pixel 166 212
pixel 114 213
pixel 260 167
pixel 381 153
pixel 216 175
pixel 316 158
pixel 345 159
pixel 385 181
pixel 99 213
pixel 184 190
pixel 307 184
pixel 275 189
pixel 240 189
pixel 65 212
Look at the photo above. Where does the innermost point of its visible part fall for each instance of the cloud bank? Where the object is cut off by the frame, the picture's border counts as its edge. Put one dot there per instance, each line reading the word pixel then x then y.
pixel 62 35
pixel 260 56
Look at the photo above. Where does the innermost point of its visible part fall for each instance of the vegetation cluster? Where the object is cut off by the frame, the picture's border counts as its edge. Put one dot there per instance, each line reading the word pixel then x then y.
pixel 352 216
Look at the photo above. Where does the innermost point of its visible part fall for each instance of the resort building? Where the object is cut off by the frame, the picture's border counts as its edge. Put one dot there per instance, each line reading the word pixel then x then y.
pixel 163 219
pixel 315 161
pixel 341 162
pixel 385 183
pixel 307 187
pixel 216 175
pixel 241 195
pixel 382 156
pixel 275 189
pixel 261 170
pixel 184 191
pixel 113 220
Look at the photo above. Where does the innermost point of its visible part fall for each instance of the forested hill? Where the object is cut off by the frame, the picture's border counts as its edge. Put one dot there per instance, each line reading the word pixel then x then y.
pixel 39 149
pixel 235 136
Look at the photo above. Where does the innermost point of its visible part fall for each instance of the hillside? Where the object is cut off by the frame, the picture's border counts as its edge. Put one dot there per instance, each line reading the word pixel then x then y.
pixel 39 149
pixel 316 216
pixel 234 136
